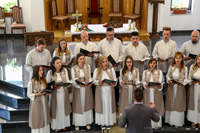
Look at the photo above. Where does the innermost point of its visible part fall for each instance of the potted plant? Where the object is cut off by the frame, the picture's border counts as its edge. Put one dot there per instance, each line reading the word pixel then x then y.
pixel 178 8
pixel 7 6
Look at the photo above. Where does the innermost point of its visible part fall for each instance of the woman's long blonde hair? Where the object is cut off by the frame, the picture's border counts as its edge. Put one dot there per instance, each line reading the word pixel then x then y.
pixel 182 62
pixel 100 67
pixel 195 65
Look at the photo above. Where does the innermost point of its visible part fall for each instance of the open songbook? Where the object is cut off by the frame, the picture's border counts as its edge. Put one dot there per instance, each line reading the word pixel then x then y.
pixel 50 87
pixel 111 60
pixel 193 79
pixel 192 56
pixel 108 81
pixel 86 52
pixel 145 59
pixel 81 83
pixel 184 83
pixel 152 84
pixel 63 84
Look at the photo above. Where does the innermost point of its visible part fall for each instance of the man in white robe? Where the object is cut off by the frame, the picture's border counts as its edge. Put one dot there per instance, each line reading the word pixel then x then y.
pixel 191 47
pixel 165 50
pixel 138 51
pixel 37 56
pixel 89 46
pixel 112 46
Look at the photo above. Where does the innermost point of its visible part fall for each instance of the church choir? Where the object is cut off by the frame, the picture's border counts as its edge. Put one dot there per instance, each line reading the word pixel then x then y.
pixel 77 97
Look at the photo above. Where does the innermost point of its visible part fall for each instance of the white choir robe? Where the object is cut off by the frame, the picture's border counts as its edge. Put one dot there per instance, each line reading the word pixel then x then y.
pixel 190 48
pixel 164 50
pixel 86 117
pixel 194 115
pixel 113 48
pixel 151 95
pixel 61 120
pixel 174 117
pixel 34 58
pixel 107 118
pixel 90 46
pixel 46 128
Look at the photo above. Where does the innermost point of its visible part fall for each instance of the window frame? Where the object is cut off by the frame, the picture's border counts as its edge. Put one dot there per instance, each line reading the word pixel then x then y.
pixel 189 10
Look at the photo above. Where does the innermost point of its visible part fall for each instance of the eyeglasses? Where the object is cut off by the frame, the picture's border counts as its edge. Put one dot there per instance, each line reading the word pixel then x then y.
pixel 129 62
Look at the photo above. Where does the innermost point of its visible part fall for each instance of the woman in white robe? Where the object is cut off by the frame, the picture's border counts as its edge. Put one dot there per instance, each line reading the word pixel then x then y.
pixel 176 95
pixel 193 113
pixel 154 93
pixel 82 94
pixel 104 95
pixel 59 100
pixel 39 108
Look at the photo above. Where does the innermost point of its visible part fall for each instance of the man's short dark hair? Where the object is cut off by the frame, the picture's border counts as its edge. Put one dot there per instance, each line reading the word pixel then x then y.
pixel 134 33
pixel 109 29
pixel 40 41
pixel 138 94
pixel 167 29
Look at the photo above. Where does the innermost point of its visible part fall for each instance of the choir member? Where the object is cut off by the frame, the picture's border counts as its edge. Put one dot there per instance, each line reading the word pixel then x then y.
pixel 39 115
pixel 104 95
pixel 129 80
pixel 176 96
pixel 153 93
pixel 60 106
pixel 193 113
pixel 82 94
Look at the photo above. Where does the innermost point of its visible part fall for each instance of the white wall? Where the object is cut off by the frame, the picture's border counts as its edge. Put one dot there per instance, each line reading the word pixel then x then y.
pixel 33 16
pixel 176 22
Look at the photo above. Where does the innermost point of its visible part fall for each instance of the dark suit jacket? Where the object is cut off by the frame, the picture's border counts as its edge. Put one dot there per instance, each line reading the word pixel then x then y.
pixel 138 118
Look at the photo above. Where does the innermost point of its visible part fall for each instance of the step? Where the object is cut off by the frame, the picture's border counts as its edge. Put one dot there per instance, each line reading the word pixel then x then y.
pixel 14 101
pixel 4 124
pixel 12 114
pixel 13 89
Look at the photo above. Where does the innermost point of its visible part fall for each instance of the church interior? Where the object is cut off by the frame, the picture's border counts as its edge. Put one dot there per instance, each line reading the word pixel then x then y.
pixel 55 19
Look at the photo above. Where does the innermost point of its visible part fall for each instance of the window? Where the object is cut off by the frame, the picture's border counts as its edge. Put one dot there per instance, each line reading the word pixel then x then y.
pixel 182 4
pixel 8 3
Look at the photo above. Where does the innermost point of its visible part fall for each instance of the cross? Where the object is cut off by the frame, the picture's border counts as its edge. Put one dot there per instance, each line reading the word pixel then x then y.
pixel 77 15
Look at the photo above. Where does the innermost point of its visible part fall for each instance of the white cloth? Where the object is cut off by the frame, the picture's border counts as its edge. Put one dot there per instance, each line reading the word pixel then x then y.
pixel 61 120
pixel 99 29
pixel 194 115
pixel 46 128
pixel 107 117
pixel 130 87
pixel 34 58
pixel 151 95
pixel 174 117
pixel 90 46
pixel 114 49
pixel 86 117
pixel 164 50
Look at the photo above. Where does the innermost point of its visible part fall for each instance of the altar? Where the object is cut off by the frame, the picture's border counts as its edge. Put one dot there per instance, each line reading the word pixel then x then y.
pixel 98 31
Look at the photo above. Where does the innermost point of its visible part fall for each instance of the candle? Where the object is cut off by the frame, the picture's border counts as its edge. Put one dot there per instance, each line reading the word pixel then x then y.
pixel 129 24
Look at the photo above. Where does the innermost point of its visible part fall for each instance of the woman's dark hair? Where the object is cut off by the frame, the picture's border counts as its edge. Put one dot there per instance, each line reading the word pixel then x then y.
pixel 151 60
pixel 52 65
pixel 77 57
pixel 36 77
pixel 125 68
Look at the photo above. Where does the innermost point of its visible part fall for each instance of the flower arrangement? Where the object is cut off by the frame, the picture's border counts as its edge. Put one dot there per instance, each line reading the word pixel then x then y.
pixel 85 27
